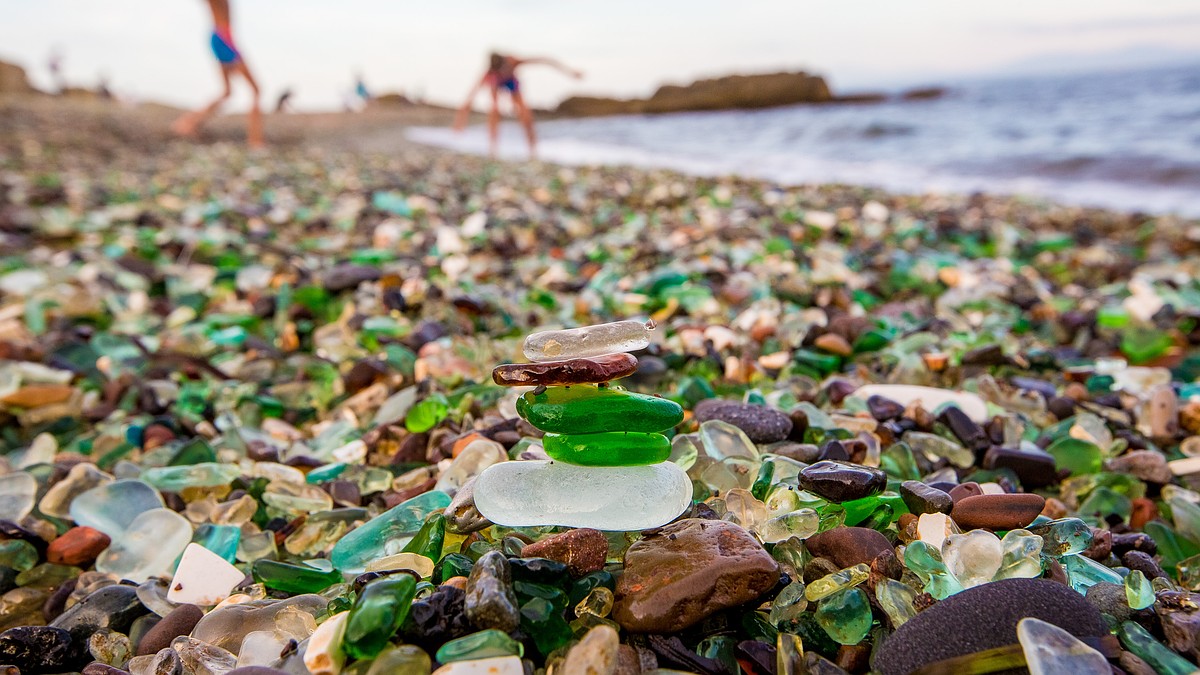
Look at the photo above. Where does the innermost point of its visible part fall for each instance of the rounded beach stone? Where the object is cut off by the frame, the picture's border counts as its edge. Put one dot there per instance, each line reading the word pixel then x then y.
pixel 761 424
pixel 180 621
pixel 679 575
pixel 984 617
pixel 930 398
pixel 997 512
pixel 842 481
pixel 921 498
pixel 583 550
pixel 78 546
pixel 113 607
pixel 37 649
pixel 849 546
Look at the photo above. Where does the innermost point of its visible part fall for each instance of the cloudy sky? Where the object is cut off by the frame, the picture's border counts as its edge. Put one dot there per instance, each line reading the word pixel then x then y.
pixel 159 48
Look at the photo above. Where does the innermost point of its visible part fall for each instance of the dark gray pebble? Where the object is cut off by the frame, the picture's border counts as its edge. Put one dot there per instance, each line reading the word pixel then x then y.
pixel 921 498
pixel 113 607
pixel 37 649
pixel 842 481
pixel 762 424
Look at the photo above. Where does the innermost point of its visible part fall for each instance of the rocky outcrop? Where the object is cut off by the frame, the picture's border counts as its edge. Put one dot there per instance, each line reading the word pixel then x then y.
pixel 724 93
pixel 13 80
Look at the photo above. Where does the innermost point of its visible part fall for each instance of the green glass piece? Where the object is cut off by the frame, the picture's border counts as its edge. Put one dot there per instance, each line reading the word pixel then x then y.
pixel 220 539
pixel 176 478
pixel 326 473
pixel 196 451
pixel 1077 456
pixel 386 534
pixel 614 448
pixel 482 645
pixel 1186 517
pixel 380 608
pixel 762 484
pixel 801 523
pixel 899 463
pixel 1172 548
pixel 583 586
pixel 836 582
pixel 1022 557
pixel 1144 344
pixel 585 409
pixel 845 616
pixel 880 519
pixel 47 575
pixel 832 517
pixel 18 554
pixel 1064 536
pixel 721 648
pixel 1103 502
pixel 787 607
pixel 1112 316
pixel 897 600
pixel 291 578
pixel 926 562
pixel 1138 591
pixel 401 660
pixel 453 565
pixel 1083 572
pixel 1187 573
pixel 427 414
pixel 859 510
pixel 823 364
pixel 428 540
pixel 1160 657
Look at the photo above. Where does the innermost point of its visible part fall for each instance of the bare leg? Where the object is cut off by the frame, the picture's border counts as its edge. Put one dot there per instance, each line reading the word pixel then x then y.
pixel 494 124
pixel 526 117
pixel 189 124
pixel 254 130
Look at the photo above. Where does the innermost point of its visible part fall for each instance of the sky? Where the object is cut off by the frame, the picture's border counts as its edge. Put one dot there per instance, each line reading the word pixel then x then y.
pixel 158 49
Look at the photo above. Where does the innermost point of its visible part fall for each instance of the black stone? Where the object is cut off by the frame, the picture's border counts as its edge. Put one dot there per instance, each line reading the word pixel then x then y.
pixel 1137 560
pixel 539 571
pixel 761 424
pixel 984 617
pixel 38 649
pixel 57 602
pixel 112 607
pixel 347 276
pixel 1033 469
pixel 1134 541
pixel 8 579
pixel 921 498
pixel 883 409
pixel 799 421
pixel 1046 389
pixel 842 481
pixel 1061 407
pixel 987 355
pixel 437 619
pixel 965 430
pixel 834 450
pixel 756 658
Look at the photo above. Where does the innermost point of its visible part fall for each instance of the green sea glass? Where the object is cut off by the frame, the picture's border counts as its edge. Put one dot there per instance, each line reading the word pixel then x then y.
pixel 585 409
pixel 614 448
pixel 220 539
pixel 1083 572
pixel 1160 657
pixel 18 554
pixel 377 614
pixel 482 645
pixel 1064 536
pixel 845 616
pixel 897 600
pixel 1077 456
pixel 926 562
pixel 838 581
pixel 429 539
pixel 386 534
pixel 302 578
pixel 1138 591
pixel 176 478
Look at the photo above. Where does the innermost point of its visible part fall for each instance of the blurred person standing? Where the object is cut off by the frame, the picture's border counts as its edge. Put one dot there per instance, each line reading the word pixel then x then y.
pixel 232 63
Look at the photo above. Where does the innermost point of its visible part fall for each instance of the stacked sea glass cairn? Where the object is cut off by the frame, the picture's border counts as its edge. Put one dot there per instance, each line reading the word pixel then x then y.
pixel 607 468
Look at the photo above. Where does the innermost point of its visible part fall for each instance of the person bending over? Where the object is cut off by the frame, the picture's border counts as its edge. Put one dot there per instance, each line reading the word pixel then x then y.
pixel 501 74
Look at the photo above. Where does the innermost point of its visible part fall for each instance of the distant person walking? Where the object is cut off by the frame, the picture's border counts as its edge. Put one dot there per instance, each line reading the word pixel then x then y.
pixel 502 74
pixel 284 104
pixel 231 62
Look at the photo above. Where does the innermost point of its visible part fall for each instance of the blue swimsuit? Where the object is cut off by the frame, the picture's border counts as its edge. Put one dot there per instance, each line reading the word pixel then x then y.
pixel 223 49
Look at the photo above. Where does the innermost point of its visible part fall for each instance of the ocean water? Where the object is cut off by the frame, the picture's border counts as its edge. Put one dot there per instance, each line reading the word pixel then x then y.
pixel 1123 140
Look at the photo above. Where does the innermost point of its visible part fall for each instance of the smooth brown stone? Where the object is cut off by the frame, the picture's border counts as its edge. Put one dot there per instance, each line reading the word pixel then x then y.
pixel 997 512
pixel 79 546
pixel 180 621
pixel 588 370
pixel 849 546
pixel 834 344
pixel 36 395
pixel 583 551
pixel 688 570
pixel 963 490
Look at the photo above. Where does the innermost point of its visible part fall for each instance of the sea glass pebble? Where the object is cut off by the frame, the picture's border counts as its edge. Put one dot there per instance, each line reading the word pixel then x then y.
pixel 605 338
pixel 203 578
pixel 930 398
pixel 539 492
pixel 1050 650
pixel 112 507
pixel 386 534
pixel 614 448
pixel 17 493
pixel 571 371
pixel 148 547
pixel 585 409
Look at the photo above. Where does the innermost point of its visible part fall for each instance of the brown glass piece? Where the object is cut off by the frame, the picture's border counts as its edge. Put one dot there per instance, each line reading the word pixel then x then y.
pixel 588 370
